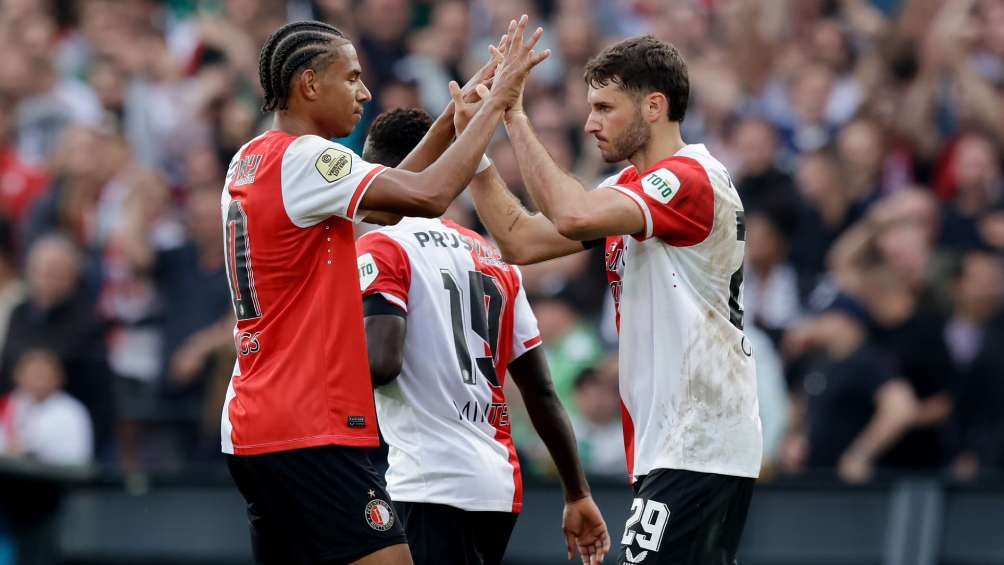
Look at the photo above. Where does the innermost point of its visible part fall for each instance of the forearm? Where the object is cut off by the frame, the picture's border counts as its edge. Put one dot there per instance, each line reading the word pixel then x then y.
pixel 523 238
pixel 217 336
pixel 892 420
pixel 449 175
pixel 552 425
pixel 433 144
pixel 558 195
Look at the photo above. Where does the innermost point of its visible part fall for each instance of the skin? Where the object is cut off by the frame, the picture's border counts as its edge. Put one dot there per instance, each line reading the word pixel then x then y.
pixel 584 528
pixel 625 125
pixel 327 101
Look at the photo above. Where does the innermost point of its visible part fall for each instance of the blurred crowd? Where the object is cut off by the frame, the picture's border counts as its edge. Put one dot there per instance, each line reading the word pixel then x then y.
pixel 865 138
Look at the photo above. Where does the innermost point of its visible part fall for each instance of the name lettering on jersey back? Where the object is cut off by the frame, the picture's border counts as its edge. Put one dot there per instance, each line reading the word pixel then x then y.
pixel 245 169
pixel 448 240
pixel 661 184
pixel 494 413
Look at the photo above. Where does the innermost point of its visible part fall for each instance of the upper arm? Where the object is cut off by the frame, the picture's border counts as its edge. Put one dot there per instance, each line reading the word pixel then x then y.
pixel 321 179
pixel 676 203
pixel 403 192
pixel 384 279
pixel 530 373
pixel 384 269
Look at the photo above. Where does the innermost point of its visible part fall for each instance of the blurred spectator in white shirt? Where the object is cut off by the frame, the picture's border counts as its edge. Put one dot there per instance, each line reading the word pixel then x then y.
pixel 38 420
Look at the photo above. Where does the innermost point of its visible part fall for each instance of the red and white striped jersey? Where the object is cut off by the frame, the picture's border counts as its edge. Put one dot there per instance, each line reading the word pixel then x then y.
pixel 687 378
pixel 445 417
pixel 302 374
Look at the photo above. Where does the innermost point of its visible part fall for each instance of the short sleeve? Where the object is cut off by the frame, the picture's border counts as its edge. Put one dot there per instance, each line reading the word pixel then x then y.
pixel 526 335
pixel 384 268
pixel 321 179
pixel 677 201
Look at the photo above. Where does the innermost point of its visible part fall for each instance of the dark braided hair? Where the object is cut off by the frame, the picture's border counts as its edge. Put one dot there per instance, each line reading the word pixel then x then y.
pixel 290 48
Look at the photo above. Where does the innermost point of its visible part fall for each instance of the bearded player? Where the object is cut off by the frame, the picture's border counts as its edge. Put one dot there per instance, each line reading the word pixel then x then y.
pixel 672 227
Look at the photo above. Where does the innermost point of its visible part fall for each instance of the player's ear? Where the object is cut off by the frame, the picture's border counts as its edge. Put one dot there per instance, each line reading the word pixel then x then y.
pixel 654 105
pixel 307 82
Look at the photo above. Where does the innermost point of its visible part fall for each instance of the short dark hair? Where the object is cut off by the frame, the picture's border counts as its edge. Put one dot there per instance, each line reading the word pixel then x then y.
pixel 643 64
pixel 292 47
pixel 394 134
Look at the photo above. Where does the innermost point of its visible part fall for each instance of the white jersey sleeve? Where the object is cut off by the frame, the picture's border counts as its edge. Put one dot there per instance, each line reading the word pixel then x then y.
pixel 321 179
pixel 526 334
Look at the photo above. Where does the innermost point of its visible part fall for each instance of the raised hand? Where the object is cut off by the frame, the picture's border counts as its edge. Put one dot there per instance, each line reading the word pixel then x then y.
pixel 486 73
pixel 518 60
pixel 467 100
pixel 585 531
pixel 464 108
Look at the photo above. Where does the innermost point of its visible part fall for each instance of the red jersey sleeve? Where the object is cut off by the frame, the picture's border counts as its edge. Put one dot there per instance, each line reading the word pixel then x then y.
pixel 676 199
pixel 384 268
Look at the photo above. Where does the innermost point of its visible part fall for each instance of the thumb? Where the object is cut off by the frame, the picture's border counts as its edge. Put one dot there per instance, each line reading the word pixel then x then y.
pixel 455 92
pixel 482 91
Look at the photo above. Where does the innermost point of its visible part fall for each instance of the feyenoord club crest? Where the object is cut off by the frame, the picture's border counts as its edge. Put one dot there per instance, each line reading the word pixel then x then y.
pixel 379 515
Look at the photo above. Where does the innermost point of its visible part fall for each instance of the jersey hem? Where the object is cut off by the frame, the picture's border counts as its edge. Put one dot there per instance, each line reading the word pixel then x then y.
pixel 711 469
pixel 314 441
pixel 466 506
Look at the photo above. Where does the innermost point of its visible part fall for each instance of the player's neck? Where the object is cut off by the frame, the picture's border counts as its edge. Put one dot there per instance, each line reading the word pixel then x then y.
pixel 665 142
pixel 296 125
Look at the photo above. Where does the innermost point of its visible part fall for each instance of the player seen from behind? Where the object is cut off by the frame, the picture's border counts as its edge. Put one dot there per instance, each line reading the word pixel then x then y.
pixel 445 319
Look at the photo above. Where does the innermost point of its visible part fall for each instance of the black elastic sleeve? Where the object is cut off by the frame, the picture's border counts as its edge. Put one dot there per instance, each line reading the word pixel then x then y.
pixel 377 305
pixel 593 243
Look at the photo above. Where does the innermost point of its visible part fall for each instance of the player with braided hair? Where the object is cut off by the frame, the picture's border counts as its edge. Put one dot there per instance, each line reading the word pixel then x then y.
pixel 299 410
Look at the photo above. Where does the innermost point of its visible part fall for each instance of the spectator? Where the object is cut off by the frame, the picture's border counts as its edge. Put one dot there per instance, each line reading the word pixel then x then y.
pixel 11 288
pixel 853 406
pixel 913 336
pixel 771 297
pixel 59 317
pixel 39 420
pixel 979 191
pixel 974 335
pixel 195 317
pixel 597 421
pixel 20 183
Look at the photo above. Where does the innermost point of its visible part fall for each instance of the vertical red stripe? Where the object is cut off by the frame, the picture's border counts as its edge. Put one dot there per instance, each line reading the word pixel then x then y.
pixel 628 425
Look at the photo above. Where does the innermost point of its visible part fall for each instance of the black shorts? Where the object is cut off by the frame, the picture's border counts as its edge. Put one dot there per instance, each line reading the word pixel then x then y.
pixel 440 534
pixel 321 505
pixel 685 518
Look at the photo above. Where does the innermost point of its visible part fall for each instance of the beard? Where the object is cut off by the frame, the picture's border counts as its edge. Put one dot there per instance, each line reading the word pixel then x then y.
pixel 633 140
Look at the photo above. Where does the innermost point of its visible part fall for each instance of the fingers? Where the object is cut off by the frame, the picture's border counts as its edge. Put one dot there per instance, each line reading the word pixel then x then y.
pixel 503 45
pixel 538 58
pixel 456 93
pixel 482 91
pixel 510 33
pixel 570 545
pixel 535 38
